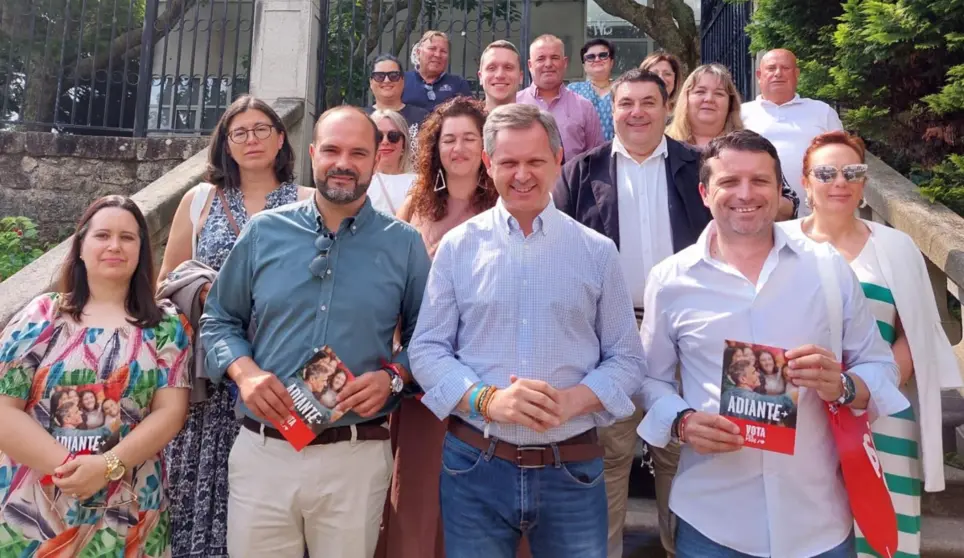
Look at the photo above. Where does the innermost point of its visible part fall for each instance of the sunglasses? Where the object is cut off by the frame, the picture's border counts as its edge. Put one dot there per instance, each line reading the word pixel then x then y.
pixel 392 137
pixel 593 57
pixel 319 267
pixel 430 93
pixel 392 76
pixel 825 174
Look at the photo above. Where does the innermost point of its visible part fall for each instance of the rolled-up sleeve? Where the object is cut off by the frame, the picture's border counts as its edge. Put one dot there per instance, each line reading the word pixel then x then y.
pixel 622 366
pixel 418 268
pixel 660 391
pixel 227 310
pixel 432 351
pixel 865 353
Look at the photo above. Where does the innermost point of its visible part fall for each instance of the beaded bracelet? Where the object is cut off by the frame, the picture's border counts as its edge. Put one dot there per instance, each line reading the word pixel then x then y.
pixel 474 400
pixel 485 404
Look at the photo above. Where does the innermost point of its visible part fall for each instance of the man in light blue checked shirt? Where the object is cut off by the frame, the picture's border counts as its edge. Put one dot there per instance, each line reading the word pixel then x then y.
pixel 527 336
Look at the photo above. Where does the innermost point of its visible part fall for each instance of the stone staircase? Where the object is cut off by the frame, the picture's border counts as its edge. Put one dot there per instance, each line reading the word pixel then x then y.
pixel 942 522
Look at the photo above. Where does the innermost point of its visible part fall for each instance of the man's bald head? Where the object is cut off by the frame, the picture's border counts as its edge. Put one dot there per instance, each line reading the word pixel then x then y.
pixel 347 112
pixel 777 75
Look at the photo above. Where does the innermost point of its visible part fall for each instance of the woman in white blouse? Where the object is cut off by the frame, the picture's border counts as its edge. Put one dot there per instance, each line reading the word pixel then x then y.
pixel 393 177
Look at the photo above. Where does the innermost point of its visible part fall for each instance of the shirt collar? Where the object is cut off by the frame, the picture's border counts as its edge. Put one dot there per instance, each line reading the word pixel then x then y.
pixel 660 151
pixel 780 241
pixel 795 100
pixel 438 80
pixel 544 223
pixel 351 224
pixel 533 91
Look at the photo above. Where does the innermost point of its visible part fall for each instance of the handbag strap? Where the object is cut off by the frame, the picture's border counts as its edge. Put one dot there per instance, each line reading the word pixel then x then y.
pixel 227 212
pixel 831 293
pixel 388 198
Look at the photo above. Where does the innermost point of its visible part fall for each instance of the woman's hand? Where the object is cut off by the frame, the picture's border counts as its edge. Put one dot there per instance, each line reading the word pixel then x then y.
pixel 82 476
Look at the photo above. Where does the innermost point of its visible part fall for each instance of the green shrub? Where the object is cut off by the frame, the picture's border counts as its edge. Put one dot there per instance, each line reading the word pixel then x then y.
pixel 19 245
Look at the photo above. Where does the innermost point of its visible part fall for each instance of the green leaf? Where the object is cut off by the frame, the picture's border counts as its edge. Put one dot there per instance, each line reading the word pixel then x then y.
pixel 105 544
pixel 12 543
pixel 159 537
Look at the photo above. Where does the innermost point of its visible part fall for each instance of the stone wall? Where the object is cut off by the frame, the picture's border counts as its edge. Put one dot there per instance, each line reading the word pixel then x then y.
pixel 52 178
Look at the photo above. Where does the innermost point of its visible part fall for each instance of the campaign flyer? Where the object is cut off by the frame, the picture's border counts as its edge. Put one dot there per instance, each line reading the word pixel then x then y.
pixel 757 395
pixel 314 392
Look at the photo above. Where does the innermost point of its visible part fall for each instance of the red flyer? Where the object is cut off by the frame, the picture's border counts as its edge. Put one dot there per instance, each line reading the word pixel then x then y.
pixel 866 489
pixel 757 396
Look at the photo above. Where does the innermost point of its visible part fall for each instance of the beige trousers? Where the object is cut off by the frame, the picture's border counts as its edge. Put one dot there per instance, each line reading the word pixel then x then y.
pixel 619 443
pixel 328 497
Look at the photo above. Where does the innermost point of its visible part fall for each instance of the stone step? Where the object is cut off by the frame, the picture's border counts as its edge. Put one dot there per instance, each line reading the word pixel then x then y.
pixel 950 502
pixel 941 537
pixel 952 410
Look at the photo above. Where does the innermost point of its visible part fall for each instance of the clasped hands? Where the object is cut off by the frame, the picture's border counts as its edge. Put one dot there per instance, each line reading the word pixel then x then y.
pixel 81 477
pixel 534 404
pixel 810 366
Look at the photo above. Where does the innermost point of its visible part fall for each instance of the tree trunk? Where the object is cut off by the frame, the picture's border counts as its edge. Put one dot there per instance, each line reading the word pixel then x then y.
pixel 671 23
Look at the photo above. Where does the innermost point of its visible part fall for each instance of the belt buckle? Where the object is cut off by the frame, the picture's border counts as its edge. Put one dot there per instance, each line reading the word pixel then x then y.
pixel 518 456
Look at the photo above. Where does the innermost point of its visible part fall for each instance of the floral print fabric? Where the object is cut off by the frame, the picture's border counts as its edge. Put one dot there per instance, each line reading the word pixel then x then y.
pixel 88 387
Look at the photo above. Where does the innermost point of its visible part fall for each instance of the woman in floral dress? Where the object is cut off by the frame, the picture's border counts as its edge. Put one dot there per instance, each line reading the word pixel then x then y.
pixel 71 486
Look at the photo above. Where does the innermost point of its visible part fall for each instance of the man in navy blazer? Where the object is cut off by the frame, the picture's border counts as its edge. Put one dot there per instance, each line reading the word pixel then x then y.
pixel 642 191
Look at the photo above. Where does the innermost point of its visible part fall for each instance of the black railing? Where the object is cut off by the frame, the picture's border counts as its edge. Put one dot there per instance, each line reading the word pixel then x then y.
pixel 355 31
pixel 122 67
pixel 723 39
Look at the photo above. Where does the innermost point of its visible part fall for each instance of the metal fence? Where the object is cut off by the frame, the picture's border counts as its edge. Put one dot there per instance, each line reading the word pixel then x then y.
pixel 355 31
pixel 723 39
pixel 122 67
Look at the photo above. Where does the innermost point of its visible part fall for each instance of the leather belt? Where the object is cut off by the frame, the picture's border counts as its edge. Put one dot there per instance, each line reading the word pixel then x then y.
pixel 370 430
pixel 581 447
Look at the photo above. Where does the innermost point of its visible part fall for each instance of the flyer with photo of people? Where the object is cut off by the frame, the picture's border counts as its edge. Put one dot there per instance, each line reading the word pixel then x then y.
pixel 85 418
pixel 756 394
pixel 314 392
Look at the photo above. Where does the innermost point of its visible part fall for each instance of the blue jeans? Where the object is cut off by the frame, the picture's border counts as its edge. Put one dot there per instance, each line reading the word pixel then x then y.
pixel 489 503
pixel 690 543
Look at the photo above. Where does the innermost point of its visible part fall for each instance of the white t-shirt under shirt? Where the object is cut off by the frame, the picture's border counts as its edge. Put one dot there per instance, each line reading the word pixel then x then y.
pixel 791 127
pixel 388 191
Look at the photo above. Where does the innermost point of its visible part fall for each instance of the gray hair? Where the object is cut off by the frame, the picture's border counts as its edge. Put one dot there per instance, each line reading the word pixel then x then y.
pixel 517 116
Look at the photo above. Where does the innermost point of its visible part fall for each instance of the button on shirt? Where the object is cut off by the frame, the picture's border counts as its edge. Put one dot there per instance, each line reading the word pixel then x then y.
pixel 645 234
pixel 788 505
pixel 791 127
pixel 552 306
pixel 576 117
pixel 416 91
pixel 603 106
pixel 377 268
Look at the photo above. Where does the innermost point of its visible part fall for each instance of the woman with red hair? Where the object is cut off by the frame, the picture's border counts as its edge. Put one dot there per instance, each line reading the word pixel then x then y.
pixel 894 278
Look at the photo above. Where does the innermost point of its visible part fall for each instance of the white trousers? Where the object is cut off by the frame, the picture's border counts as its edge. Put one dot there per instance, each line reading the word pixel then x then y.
pixel 328 497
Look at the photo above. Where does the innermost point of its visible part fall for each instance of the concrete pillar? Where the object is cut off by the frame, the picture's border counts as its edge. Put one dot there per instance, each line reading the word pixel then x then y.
pixel 284 65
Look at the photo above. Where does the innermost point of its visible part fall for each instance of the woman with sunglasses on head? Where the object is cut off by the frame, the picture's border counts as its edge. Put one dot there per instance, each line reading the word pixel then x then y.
pixel 451 186
pixel 73 489
pixel 387 83
pixel 393 177
pixel 250 169
pixel 598 57
pixel 894 278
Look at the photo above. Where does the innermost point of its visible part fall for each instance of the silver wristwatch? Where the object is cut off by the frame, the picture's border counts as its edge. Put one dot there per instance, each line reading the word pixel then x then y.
pixel 397 384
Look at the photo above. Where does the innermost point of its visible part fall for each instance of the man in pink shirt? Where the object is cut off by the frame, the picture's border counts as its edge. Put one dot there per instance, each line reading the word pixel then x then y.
pixel 577 119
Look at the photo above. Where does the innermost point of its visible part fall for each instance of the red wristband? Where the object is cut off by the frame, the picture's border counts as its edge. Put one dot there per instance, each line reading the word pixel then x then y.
pixel 682 426
pixel 49 479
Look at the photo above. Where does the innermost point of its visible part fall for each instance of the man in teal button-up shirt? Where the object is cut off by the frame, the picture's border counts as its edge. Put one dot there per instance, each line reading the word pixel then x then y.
pixel 326 271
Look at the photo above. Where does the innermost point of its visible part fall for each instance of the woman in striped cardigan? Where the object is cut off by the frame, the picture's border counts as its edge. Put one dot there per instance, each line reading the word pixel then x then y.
pixel 894 278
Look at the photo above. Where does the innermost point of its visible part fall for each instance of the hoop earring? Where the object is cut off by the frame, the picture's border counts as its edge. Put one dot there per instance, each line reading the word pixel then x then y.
pixel 440 178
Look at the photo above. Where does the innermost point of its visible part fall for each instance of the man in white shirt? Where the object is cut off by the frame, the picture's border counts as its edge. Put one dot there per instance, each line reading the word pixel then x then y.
pixel 746 281
pixel 641 191
pixel 785 118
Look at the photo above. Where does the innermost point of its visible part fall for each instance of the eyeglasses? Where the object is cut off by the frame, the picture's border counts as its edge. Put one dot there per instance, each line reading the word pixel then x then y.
pixel 261 131
pixel 392 137
pixel 126 487
pixel 319 267
pixel 825 174
pixel 593 57
pixel 392 76
pixel 430 93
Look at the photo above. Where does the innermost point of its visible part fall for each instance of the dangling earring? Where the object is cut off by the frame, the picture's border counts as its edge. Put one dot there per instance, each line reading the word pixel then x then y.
pixel 481 183
pixel 440 178
pixel 863 203
pixel 808 202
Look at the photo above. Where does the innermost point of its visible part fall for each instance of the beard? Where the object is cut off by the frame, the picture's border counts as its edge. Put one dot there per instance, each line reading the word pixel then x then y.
pixel 338 195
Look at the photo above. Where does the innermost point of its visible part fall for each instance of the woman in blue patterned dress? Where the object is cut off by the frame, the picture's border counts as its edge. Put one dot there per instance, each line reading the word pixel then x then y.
pixel 598 56
pixel 250 169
